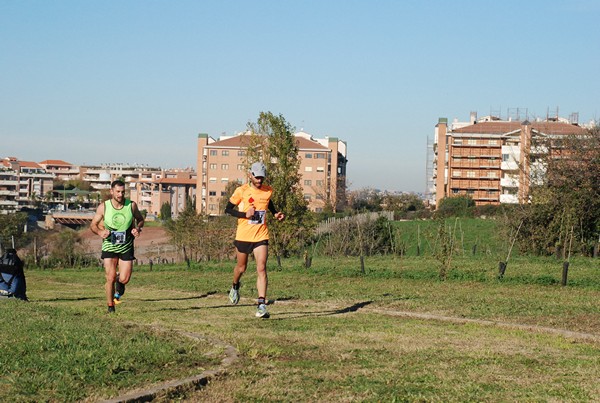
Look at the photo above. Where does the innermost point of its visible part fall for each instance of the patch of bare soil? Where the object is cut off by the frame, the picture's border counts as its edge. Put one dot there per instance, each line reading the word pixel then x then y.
pixel 153 244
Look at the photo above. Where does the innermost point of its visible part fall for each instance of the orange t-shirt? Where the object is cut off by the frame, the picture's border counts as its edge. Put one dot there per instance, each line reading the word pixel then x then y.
pixel 252 229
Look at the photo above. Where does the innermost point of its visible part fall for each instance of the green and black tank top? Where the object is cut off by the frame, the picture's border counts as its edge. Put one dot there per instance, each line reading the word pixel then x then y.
pixel 119 223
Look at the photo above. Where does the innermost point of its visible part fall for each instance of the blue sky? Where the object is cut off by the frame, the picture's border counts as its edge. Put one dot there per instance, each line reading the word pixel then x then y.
pixel 136 81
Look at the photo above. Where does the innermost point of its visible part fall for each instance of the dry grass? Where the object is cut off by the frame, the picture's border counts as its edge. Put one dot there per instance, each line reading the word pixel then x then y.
pixel 326 342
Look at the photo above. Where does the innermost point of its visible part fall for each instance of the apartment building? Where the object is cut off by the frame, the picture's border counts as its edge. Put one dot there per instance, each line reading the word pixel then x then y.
pixel 21 184
pixel 61 170
pixel 323 169
pixel 153 189
pixel 491 160
pixel 101 176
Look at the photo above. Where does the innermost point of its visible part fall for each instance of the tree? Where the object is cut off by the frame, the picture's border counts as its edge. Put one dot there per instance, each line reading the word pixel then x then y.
pixel 12 225
pixel 165 212
pixel 365 199
pixel 457 206
pixel 273 142
pixel 565 207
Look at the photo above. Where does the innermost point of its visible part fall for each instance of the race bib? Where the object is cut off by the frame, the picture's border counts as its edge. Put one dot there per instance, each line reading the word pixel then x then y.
pixel 118 237
pixel 258 217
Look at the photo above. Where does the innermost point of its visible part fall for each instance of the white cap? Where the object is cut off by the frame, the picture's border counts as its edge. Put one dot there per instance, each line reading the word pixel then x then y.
pixel 258 169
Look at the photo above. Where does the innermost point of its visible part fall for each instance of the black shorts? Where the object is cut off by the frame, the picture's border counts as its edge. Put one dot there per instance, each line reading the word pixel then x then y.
pixel 125 256
pixel 248 247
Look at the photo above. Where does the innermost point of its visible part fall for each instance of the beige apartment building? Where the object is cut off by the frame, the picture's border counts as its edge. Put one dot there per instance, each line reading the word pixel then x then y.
pixel 153 189
pixel 323 169
pixel 21 184
pixel 491 160
pixel 62 170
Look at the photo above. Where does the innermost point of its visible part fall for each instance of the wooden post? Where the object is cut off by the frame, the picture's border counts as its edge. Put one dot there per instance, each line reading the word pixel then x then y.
pixel 501 269
pixel 362 264
pixel 565 273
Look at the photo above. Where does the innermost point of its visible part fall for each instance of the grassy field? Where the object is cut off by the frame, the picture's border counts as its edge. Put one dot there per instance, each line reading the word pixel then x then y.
pixel 334 334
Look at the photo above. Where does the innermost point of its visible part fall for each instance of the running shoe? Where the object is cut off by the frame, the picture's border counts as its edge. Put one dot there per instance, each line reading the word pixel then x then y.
pixel 261 311
pixel 111 309
pixel 234 296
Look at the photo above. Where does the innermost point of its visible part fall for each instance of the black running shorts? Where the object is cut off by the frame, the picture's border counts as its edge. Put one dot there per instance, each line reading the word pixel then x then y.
pixel 248 247
pixel 125 256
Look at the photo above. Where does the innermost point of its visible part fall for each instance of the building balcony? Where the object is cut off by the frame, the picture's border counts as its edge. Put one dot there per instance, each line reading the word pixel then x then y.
pixel 8 202
pixel 509 165
pixel 509 199
pixel 509 182
pixel 478 164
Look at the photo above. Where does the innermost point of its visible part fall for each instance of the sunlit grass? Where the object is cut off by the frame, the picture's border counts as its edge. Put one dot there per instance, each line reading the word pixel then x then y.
pixel 326 339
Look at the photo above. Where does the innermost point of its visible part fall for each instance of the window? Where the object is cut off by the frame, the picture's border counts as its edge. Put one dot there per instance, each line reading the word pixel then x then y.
pixel 240 167
pixel 493 142
pixel 319 196
pixel 213 152
pixel 308 169
pixel 456 173
pixel 470 174
pixel 471 142
pixel 307 182
pixel 212 193
pixel 308 155
pixel 454 191
pixel 320 169
pixel 223 193
pixel 213 166
pixel 491 174
pixel 505 157
pixel 212 207
pixel 225 153
pixel 320 156
pixel 224 180
pixel 458 141
pixel 307 196
pixel 470 192
pixel 241 153
pixel 224 167
pixel 213 180
pixel 319 182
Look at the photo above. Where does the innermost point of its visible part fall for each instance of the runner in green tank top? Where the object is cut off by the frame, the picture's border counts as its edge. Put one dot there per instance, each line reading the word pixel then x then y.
pixel 118 222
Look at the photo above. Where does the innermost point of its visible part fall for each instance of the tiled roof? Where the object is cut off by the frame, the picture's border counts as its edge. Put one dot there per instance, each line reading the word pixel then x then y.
pixel 56 163
pixel 507 127
pixel 244 140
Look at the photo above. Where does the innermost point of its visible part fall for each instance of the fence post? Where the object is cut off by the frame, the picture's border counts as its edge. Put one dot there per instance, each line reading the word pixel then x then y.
pixel 501 269
pixel 565 273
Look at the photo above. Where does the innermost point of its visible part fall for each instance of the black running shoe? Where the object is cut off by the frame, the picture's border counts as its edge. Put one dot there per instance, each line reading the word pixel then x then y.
pixel 111 309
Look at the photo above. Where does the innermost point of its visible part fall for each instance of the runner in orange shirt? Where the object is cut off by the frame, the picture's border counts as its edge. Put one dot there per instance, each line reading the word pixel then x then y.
pixel 252 235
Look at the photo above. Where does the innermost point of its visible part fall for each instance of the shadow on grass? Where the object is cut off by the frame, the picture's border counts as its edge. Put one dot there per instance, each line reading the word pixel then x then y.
pixel 194 308
pixel 66 299
pixel 331 312
pixel 180 299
